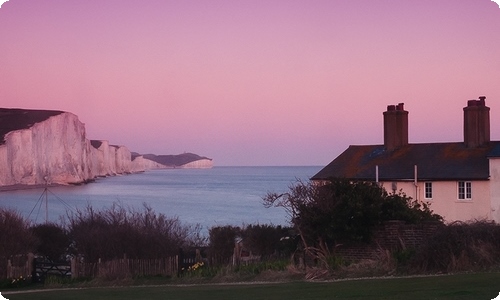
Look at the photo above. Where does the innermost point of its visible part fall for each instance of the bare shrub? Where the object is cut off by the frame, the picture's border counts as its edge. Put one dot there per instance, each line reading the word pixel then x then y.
pixel 15 237
pixel 118 231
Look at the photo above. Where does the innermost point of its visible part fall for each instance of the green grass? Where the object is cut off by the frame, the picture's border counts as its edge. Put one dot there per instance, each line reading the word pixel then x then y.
pixel 462 286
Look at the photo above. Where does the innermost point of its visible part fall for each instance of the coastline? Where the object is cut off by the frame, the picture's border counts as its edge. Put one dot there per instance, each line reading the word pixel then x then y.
pixel 21 187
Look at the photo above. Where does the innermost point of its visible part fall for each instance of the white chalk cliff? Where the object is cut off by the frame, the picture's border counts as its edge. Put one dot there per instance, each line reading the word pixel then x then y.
pixel 203 163
pixel 55 149
pixel 39 146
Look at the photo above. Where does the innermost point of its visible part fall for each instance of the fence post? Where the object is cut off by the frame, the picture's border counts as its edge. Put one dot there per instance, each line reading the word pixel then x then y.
pixel 180 262
pixel 237 254
pixel 74 271
pixel 9 269
pixel 98 271
pixel 30 265
pixel 198 256
pixel 177 266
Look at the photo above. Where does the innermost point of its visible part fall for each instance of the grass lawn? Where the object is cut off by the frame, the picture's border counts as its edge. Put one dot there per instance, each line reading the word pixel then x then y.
pixel 463 286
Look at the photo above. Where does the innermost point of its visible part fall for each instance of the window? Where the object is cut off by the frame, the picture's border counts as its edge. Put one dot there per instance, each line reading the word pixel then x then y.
pixel 428 190
pixel 464 190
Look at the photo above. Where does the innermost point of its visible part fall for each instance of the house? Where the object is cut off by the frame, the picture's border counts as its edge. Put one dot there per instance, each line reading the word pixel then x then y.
pixel 460 180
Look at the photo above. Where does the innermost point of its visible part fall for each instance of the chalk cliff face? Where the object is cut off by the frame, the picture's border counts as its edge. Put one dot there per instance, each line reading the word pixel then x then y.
pixel 55 149
pixel 139 164
pixel 199 164
pixel 100 158
pixel 39 146
pixel 123 159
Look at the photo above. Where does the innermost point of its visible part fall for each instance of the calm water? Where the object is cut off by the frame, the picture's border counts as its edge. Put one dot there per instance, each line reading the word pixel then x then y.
pixel 217 196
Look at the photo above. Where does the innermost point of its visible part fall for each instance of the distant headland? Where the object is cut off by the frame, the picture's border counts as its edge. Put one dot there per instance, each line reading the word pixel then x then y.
pixel 51 147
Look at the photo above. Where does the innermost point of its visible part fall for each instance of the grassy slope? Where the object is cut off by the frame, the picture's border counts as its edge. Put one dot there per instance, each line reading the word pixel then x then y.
pixel 463 286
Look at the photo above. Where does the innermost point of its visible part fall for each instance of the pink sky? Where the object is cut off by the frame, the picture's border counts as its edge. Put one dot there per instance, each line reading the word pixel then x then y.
pixel 252 82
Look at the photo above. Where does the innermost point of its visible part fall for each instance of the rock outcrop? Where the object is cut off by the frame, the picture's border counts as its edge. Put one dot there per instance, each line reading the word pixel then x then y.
pixel 40 146
pixel 184 160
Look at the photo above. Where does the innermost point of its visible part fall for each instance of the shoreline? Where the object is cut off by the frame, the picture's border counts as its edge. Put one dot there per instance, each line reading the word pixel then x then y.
pixel 23 187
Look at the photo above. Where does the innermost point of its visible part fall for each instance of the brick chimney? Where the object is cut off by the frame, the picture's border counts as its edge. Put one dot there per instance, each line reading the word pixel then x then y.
pixel 476 123
pixel 395 127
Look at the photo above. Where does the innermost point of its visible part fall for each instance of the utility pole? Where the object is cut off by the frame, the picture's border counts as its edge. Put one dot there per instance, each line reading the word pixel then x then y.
pixel 46 178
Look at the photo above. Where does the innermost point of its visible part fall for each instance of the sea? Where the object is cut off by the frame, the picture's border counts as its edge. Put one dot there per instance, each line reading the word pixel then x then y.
pixel 207 197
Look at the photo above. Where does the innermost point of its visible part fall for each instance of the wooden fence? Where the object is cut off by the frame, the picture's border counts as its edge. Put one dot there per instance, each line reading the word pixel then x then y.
pixel 121 268
pixel 26 266
pixel 20 266
pixel 44 268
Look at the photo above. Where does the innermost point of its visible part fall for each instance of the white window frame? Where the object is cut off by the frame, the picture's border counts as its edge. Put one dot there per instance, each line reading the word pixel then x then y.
pixel 428 190
pixel 464 189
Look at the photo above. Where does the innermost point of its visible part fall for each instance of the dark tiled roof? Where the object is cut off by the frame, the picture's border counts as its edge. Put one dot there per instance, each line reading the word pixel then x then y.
pixel 16 119
pixel 435 161
pixel 495 151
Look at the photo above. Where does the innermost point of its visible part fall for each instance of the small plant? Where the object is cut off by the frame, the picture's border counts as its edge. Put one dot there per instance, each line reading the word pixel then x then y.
pixel 198 269
pixel 195 267
pixel 334 262
pixel 19 282
pixel 257 268
pixel 403 257
pixel 52 280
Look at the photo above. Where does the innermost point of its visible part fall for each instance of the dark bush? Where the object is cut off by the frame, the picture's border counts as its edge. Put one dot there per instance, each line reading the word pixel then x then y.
pixel 268 241
pixel 221 243
pixel 460 246
pixel 345 211
pixel 53 241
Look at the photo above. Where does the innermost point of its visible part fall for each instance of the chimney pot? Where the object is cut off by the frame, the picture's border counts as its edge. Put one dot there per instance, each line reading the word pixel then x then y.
pixel 482 101
pixel 391 107
pixel 472 103
pixel 400 106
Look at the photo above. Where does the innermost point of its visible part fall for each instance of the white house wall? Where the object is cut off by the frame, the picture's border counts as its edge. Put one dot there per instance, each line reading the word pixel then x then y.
pixel 445 200
pixel 495 188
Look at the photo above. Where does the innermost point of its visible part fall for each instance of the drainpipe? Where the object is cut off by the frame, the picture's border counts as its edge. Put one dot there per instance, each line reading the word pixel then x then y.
pixel 415 182
pixel 376 174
